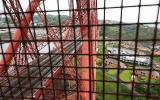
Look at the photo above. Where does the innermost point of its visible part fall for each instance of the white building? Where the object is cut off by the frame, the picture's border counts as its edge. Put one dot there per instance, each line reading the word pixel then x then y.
pixel 112 50
pixel 129 59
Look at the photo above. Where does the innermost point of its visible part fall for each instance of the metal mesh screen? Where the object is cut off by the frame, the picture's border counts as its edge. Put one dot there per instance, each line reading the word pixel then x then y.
pixel 79 50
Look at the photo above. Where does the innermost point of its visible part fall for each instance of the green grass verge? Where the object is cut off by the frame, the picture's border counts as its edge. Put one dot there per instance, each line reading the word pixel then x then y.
pixel 126 75
pixel 111 87
pixel 145 79
pixel 156 60
pixel 112 71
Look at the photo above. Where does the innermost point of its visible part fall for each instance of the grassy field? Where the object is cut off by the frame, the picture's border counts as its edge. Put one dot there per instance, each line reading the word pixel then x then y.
pixel 145 79
pixel 126 75
pixel 111 87
pixel 156 60
pixel 112 71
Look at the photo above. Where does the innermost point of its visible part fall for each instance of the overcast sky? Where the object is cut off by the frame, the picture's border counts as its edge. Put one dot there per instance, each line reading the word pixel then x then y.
pixel 148 14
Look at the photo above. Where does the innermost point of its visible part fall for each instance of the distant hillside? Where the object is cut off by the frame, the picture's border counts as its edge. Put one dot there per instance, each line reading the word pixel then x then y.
pixel 128 31
pixel 53 19
pixel 151 25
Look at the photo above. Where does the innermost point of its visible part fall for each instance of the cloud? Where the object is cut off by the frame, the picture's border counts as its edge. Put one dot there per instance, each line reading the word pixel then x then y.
pixel 130 14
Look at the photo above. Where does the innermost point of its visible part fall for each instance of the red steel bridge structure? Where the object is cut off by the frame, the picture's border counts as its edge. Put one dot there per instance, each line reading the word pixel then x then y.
pixel 28 74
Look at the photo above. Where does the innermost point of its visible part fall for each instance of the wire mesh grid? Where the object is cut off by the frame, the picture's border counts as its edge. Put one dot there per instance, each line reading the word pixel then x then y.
pixel 75 51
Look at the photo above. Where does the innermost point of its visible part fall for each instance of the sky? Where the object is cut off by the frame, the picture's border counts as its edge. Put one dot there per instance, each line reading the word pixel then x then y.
pixel 129 15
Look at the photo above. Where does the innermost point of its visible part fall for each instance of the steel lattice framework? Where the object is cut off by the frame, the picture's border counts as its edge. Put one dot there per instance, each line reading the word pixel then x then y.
pixel 24 51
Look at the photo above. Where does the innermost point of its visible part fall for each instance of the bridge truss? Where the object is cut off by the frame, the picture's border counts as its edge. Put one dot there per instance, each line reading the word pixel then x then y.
pixel 59 73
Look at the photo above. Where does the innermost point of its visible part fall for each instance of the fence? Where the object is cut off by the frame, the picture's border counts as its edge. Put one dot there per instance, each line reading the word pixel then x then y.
pixel 75 50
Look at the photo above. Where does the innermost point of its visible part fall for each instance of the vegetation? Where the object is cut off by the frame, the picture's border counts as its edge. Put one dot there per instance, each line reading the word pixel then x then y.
pixel 156 60
pixel 145 79
pixel 126 75
pixel 112 71
pixel 99 59
pixel 53 20
pixel 154 89
pixel 128 32
pixel 111 87
pixel 74 61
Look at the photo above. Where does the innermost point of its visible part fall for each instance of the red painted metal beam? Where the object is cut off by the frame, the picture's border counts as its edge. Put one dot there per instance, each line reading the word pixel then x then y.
pixel 18 36
pixel 84 85
pixel 88 33
pixel 85 62
pixel 48 82
pixel 94 35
